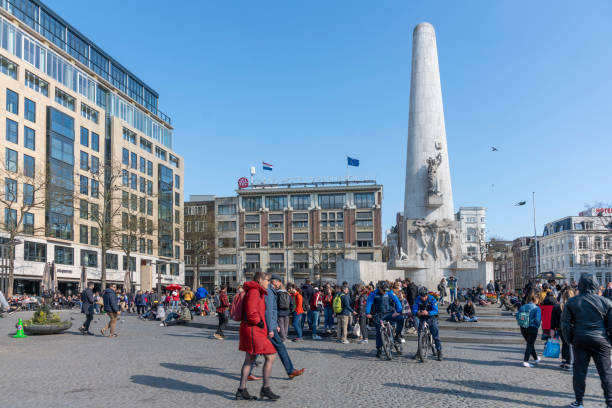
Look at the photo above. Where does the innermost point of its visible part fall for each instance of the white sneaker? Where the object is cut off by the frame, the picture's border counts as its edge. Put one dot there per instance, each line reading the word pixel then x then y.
pixel 536 362
pixel 576 404
pixel 345 342
pixel 161 324
pixel 528 365
pixel 316 337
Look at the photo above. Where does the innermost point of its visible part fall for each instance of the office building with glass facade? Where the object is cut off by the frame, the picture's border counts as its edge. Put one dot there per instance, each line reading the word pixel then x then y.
pixel 71 113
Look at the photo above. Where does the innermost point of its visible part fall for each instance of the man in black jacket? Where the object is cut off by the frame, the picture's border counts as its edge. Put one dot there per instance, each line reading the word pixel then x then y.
pixel 111 307
pixel 411 292
pixel 87 307
pixel 586 322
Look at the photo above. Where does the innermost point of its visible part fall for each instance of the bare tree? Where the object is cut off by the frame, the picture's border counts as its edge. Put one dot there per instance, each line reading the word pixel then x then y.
pixel 23 192
pixel 199 234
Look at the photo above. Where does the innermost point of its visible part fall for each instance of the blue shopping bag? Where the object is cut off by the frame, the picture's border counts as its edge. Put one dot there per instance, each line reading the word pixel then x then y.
pixel 552 349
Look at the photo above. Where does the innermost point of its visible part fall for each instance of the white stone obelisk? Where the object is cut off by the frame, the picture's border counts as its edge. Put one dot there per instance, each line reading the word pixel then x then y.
pixel 428 193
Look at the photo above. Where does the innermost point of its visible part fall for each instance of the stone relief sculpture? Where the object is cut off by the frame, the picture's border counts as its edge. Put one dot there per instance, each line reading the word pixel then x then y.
pixel 403 255
pixel 432 174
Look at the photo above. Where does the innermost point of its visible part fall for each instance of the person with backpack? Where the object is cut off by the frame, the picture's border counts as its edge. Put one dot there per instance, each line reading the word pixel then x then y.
pixel 284 311
pixel 529 318
pixel 221 313
pixel 316 307
pixel 297 312
pixel 254 335
pixel 343 310
pixel 586 322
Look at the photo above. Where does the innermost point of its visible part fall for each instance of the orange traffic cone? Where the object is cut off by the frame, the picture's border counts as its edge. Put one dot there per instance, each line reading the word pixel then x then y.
pixel 20 334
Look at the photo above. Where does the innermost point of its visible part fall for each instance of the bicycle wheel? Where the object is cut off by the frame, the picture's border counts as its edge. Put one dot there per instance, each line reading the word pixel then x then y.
pixel 422 345
pixel 432 345
pixel 386 342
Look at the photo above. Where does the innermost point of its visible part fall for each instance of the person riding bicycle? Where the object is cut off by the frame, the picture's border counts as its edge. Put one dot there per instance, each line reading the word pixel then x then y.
pixel 383 305
pixel 426 309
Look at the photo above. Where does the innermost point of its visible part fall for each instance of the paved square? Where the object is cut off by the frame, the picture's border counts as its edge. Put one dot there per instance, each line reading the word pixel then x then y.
pixel 152 366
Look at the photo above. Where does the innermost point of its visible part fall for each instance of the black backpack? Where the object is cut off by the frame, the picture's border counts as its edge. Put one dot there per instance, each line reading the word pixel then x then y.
pixel 284 301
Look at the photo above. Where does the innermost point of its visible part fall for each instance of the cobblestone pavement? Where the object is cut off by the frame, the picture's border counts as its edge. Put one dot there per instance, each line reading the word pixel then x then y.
pixel 152 366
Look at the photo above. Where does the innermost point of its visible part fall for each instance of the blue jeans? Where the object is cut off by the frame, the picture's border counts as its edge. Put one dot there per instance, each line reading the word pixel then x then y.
pixel 329 318
pixel 297 324
pixel 278 344
pixel 433 328
pixel 303 317
pixel 470 319
pixel 453 295
pixel 397 321
pixel 175 305
pixel 313 321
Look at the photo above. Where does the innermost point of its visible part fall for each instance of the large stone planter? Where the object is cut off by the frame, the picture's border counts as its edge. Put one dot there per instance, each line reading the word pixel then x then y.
pixel 47 328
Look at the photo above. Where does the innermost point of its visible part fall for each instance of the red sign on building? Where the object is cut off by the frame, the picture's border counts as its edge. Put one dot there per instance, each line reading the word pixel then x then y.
pixel 243 182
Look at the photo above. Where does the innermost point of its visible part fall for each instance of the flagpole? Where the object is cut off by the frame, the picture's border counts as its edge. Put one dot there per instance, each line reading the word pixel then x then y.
pixel 535 234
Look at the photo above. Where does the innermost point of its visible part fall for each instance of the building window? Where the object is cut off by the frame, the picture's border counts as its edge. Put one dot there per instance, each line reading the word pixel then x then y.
pixel 364 239
pixel 177 199
pixel 251 203
pixel 84 161
pixel 64 255
pixel 83 209
pixel 276 203
pixel 112 261
pixel 227 259
pixel 149 168
pixel 36 83
pixel 84 185
pixel 89 113
pixel 11 160
pixel 94 236
pixel 571 261
pixel 364 200
pixel 300 202
pixel 64 99
pixel 83 234
pixel 34 251
pixel 29 138
pixel 89 258
pixel 29 110
pixel 146 145
pixel 84 137
pixel 252 240
pixel 133 181
pixel 12 133
pixel 28 166
pixel 10 219
pixel 125 156
pixel 95 165
pixel 7 67
pixel 276 240
pixel 95 141
pixel 363 219
pixel 173 160
pixel 227 226
pixel 251 222
pixel 149 207
pixel 94 188
pixel 365 256
pixel 300 220
pixel 28 194
pixel 329 201
pixel 275 221
pixel 583 243
pixel 229 209
pixel 28 223
pixel 177 181
pixel 597 242
pixel 143 165
pixel 471 251
pixel 134 161
pixel 584 260
pixel 12 102
pixel 300 239
pixel 132 263
pixel 160 153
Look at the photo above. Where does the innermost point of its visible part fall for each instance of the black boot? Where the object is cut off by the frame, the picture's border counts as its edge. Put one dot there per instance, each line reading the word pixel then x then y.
pixel 378 353
pixel 243 394
pixel 439 355
pixel 267 393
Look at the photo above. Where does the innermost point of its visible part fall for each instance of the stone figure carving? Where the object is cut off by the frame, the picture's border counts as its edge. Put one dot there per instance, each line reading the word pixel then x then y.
pixel 421 233
pixel 432 174
pixel 482 246
pixel 447 242
pixel 403 255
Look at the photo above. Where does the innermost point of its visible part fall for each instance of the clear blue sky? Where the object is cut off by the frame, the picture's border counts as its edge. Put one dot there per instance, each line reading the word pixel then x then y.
pixel 302 85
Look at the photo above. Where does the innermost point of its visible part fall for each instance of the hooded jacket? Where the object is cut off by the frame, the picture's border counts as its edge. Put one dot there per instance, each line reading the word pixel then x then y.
pixel 110 301
pixel 587 318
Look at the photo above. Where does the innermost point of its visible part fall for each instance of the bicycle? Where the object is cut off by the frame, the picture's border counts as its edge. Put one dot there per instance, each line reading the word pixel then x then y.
pixel 426 343
pixel 387 334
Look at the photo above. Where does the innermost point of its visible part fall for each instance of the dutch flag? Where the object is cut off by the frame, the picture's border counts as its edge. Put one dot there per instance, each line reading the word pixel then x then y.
pixel 266 166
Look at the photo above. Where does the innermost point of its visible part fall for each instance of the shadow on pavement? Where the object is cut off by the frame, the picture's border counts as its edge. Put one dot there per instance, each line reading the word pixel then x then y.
pixel 177 385
pixel 200 370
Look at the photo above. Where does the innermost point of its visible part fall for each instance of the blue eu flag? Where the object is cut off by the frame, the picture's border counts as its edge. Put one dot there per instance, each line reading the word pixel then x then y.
pixel 353 162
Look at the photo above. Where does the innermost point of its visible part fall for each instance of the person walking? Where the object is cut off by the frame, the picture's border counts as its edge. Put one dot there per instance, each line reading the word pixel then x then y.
pixel 530 333
pixel 273 328
pixel 284 311
pixel 254 336
pixel 298 312
pixel 362 300
pixel 343 316
pixel 586 322
pixel 87 307
pixel 442 290
pixel 221 313
pixel 111 307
